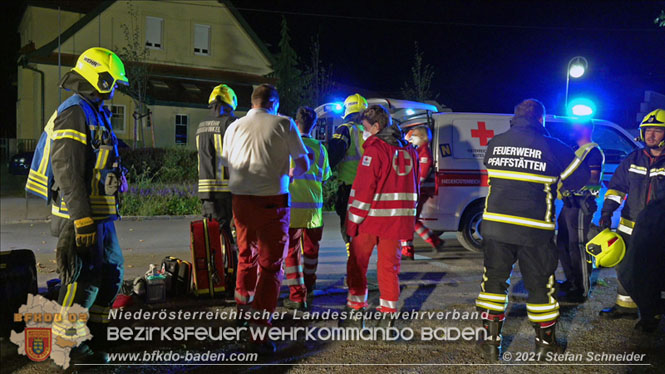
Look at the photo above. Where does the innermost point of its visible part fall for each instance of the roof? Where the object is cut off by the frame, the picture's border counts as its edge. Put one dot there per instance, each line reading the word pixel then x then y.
pixel 179 85
pixel 93 8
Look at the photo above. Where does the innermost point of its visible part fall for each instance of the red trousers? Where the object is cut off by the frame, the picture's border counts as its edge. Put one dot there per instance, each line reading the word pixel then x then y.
pixel 301 261
pixel 262 227
pixel 387 268
pixel 425 233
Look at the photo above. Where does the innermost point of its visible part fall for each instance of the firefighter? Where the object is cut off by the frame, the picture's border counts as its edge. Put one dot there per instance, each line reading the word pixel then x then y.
pixel 87 178
pixel 382 210
pixel 213 176
pixel 346 149
pixel 420 138
pixel 575 217
pixel 646 286
pixel 524 165
pixel 306 227
pixel 638 179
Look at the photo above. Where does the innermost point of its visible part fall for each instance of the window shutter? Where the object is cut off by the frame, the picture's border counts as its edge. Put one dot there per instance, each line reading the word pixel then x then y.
pixel 202 39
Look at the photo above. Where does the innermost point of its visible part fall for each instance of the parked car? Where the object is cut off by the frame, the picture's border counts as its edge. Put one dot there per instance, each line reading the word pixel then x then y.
pixel 19 164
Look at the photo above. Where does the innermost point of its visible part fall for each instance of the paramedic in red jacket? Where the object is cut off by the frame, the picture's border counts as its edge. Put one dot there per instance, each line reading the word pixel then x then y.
pixel 382 209
pixel 420 138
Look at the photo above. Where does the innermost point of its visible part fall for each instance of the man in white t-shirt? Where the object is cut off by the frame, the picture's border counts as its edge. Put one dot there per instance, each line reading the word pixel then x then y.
pixel 257 150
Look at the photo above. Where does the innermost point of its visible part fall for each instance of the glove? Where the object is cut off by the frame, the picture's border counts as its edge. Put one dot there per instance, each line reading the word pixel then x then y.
pixel 86 232
pixel 208 209
pixel 605 221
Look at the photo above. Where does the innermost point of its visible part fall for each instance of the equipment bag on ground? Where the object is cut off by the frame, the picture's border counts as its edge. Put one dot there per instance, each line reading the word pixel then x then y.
pixel 179 276
pixel 213 261
pixel 18 278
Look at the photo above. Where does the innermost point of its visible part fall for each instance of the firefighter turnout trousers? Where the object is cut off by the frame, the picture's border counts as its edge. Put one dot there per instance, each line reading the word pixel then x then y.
pixel 301 262
pixel 537 265
pixel 623 297
pixel 91 277
pixel 388 267
pixel 262 228
pixel 571 242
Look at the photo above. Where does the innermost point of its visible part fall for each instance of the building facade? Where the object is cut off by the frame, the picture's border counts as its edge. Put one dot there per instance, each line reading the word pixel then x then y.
pixel 192 46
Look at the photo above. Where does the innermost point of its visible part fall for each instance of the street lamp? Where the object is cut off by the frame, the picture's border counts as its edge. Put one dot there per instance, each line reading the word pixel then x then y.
pixel 576 68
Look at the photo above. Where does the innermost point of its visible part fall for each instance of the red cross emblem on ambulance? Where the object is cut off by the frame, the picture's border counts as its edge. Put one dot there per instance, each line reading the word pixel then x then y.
pixel 482 133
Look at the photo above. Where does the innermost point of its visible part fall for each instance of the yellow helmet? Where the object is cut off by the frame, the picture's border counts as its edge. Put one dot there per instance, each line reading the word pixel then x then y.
pixel 354 104
pixel 607 247
pixel 653 119
pixel 102 68
pixel 226 94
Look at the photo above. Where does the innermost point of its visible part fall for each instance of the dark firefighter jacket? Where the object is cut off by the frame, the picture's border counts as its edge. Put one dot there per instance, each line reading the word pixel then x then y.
pixel 77 161
pixel 524 165
pixel 213 177
pixel 639 179
pixel 642 269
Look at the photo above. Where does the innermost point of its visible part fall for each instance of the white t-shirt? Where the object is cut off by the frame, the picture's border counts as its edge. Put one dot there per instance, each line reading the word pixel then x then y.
pixel 257 150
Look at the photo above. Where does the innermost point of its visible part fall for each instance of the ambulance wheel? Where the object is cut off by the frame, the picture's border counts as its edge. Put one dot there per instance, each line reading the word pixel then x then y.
pixel 469 233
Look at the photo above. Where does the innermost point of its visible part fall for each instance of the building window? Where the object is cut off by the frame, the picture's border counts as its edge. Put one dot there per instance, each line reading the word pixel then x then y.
pixel 181 122
pixel 202 40
pixel 153 32
pixel 118 118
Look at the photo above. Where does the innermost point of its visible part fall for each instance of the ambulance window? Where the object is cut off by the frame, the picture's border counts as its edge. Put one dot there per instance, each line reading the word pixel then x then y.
pixel 615 146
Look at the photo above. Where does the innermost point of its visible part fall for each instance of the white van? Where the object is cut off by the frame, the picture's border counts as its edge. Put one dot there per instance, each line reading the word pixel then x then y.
pixel 458 145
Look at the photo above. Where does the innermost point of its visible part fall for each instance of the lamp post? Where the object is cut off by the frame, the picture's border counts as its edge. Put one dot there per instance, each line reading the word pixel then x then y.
pixel 576 68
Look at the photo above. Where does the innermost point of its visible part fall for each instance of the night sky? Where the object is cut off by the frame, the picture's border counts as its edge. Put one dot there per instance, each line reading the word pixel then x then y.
pixel 488 55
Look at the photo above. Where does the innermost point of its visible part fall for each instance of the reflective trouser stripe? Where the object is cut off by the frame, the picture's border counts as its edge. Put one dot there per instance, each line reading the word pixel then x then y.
pixel 388 306
pixel 293 269
pixel 293 282
pixel 533 317
pixel 99 313
pixel 625 301
pixel 310 261
pixel 625 229
pixel 492 301
pixel 241 299
pixel 356 301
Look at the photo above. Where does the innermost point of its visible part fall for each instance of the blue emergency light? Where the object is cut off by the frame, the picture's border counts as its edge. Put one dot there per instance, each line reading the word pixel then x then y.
pixel 338 107
pixel 581 107
pixel 410 112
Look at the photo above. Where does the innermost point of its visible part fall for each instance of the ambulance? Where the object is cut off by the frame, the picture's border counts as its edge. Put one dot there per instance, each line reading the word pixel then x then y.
pixel 458 145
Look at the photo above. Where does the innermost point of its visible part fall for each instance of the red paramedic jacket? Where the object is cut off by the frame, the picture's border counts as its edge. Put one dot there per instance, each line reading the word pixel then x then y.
pixel 424 161
pixel 384 194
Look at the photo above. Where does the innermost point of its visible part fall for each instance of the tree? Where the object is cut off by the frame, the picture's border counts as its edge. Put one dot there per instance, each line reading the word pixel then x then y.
pixel 135 54
pixel 660 20
pixel 289 75
pixel 419 87
pixel 317 79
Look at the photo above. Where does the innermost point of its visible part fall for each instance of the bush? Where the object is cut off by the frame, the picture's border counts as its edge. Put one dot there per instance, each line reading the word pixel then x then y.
pixel 330 193
pixel 161 182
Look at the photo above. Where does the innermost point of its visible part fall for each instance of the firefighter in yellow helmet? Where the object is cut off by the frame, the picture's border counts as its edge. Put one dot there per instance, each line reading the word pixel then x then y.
pixel 76 165
pixel 638 180
pixel 346 149
pixel 213 177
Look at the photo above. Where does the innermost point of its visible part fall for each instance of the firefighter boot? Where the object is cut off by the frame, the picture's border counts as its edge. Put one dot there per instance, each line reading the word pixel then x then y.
pixel 297 305
pixel 546 340
pixel 354 318
pixel 490 347
pixel 617 312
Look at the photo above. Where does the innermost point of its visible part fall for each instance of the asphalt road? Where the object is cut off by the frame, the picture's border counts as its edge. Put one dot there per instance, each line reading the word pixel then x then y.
pixel 438 282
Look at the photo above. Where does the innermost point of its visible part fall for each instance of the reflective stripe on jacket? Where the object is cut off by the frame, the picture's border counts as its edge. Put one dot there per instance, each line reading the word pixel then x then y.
pixel 307 190
pixel 384 195
pixel 524 165
pixel 639 179
pixel 348 167
pixel 213 176
pixel 78 132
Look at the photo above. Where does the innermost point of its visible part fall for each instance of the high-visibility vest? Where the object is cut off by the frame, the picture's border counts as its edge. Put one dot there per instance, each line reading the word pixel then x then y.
pixel 581 154
pixel 40 178
pixel 307 190
pixel 348 167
